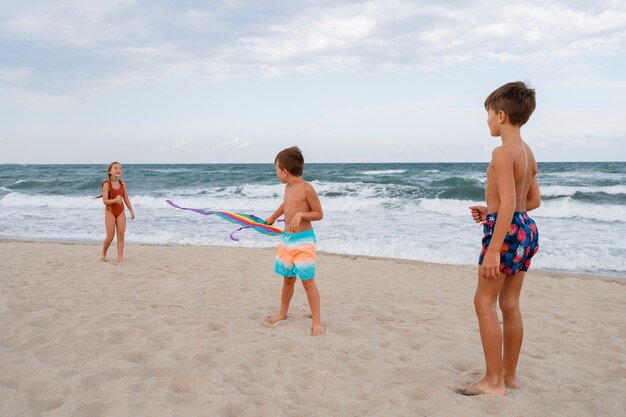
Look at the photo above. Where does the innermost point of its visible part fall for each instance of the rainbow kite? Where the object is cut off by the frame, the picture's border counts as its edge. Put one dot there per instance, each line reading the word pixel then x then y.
pixel 246 221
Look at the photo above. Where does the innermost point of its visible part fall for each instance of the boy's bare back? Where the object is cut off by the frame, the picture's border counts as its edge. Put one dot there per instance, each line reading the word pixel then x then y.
pixel 513 167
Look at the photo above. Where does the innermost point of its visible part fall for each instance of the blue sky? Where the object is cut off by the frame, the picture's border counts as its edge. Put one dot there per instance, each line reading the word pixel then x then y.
pixel 347 81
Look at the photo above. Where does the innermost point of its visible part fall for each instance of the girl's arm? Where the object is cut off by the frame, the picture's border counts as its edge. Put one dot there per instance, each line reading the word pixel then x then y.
pixel 279 212
pixel 127 201
pixel 105 196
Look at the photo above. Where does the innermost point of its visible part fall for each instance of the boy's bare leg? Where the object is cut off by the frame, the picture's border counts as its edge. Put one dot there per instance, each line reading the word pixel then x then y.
pixel 285 299
pixel 109 225
pixel 513 326
pixel 121 231
pixel 313 296
pixel 490 336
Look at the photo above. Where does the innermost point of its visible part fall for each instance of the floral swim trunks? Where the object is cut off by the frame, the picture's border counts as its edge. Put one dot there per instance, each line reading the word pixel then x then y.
pixel 520 243
pixel 295 256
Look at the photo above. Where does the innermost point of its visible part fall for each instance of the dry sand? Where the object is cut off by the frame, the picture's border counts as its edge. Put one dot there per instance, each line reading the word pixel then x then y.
pixel 179 331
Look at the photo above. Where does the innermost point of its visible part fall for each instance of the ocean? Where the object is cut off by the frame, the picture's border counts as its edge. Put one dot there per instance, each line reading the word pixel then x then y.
pixel 410 211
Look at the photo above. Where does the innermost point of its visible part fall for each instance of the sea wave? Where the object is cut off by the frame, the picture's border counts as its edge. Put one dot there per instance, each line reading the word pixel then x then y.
pixel 568 208
pixel 384 172
pixel 563 208
pixel 567 190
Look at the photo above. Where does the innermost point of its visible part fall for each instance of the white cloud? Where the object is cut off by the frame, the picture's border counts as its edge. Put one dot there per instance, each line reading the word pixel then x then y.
pixel 178 145
pixel 238 143
pixel 121 43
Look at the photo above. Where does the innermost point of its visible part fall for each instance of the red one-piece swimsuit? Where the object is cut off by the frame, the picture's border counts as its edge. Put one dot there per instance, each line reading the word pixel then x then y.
pixel 116 209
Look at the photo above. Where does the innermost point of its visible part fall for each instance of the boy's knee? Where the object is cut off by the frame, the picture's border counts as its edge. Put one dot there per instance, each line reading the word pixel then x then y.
pixel 482 305
pixel 508 304
pixel 289 281
pixel 308 283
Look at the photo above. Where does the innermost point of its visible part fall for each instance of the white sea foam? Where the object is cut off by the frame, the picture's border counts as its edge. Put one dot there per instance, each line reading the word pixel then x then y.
pixel 384 172
pixel 450 207
pixel 565 190
pixel 16 199
pixel 567 208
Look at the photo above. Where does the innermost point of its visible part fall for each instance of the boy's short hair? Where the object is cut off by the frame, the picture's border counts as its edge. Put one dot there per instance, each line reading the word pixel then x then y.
pixel 292 160
pixel 516 99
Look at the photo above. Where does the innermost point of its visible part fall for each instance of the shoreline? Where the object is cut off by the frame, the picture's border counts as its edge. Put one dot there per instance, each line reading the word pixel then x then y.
pixel 553 273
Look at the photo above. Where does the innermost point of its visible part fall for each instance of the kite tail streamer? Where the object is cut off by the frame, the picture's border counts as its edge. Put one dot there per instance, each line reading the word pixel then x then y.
pixel 246 221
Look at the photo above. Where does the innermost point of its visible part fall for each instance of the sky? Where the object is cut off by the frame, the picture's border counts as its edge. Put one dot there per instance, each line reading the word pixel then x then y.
pixel 155 81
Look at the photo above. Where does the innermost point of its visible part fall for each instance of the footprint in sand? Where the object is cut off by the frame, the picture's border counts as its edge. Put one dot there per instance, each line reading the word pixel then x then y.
pixel 462 365
pixel 184 383
pixel 136 356
pixel 96 408
pixel 213 327
pixel 115 337
pixel 42 404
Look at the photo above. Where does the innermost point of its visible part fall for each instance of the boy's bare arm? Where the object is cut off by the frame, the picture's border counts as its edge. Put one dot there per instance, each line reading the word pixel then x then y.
pixel 505 180
pixel 279 212
pixel 479 213
pixel 313 200
pixel 533 199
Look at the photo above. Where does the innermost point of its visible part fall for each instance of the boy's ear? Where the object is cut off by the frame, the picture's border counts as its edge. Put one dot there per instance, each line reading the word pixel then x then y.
pixel 502 116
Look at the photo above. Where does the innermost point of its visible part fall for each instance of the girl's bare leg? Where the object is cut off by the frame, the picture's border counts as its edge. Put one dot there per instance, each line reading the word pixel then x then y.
pixel 513 326
pixel 109 225
pixel 121 230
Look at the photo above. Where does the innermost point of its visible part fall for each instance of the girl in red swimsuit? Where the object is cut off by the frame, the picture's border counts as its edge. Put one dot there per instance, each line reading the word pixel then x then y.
pixel 114 196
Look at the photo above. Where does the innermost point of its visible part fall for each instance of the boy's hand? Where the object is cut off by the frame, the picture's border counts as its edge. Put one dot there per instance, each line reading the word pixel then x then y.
pixel 269 221
pixel 490 268
pixel 294 225
pixel 132 215
pixel 479 213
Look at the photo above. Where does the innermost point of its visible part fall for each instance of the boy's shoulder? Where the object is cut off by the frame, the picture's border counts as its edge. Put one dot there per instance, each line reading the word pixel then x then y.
pixel 309 186
pixel 300 182
pixel 501 154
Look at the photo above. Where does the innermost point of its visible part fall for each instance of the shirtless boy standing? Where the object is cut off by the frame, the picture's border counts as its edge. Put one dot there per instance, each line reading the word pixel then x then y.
pixel 510 237
pixel 296 252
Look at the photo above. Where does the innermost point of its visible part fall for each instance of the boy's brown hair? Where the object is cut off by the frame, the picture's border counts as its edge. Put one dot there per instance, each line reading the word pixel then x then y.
pixel 292 160
pixel 516 99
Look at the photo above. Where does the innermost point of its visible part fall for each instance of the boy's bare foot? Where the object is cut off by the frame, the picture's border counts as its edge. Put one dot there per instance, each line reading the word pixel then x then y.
pixel 317 330
pixel 274 319
pixel 102 259
pixel 511 383
pixel 510 380
pixel 482 387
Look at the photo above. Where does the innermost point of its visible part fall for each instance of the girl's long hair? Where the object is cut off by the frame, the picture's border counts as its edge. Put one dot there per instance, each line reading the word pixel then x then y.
pixel 109 173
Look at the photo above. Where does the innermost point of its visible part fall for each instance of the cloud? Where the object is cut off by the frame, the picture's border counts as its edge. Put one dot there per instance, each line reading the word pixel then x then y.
pixel 175 147
pixel 235 143
pixel 127 43
pixel 238 143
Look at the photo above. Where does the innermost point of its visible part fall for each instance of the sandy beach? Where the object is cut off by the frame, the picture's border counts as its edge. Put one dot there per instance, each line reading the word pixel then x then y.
pixel 179 331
